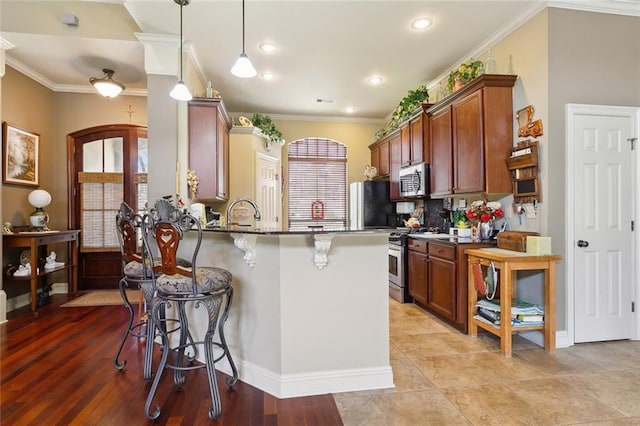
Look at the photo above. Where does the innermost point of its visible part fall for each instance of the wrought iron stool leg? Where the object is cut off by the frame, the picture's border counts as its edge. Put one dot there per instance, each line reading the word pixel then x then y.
pixel 116 362
pixel 223 319
pixel 147 292
pixel 163 361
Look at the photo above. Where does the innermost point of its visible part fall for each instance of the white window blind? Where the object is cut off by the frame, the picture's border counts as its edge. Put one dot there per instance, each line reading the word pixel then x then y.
pixel 100 198
pixel 317 183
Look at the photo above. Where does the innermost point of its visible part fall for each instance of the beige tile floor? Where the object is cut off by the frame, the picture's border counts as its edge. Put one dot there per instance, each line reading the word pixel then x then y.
pixel 443 377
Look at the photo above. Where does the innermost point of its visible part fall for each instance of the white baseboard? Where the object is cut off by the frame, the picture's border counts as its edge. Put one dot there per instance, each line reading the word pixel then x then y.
pixel 295 385
pixel 562 338
pixel 59 288
pixel 18 302
pixel 3 306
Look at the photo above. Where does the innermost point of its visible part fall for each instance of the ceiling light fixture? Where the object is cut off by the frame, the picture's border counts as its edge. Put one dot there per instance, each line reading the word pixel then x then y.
pixel 181 92
pixel 107 86
pixel 267 76
pixel 421 23
pixel 375 80
pixel 268 47
pixel 243 67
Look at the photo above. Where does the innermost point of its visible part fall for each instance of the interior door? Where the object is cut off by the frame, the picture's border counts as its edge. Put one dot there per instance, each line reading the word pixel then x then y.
pixel 602 226
pixel 108 165
pixel 268 191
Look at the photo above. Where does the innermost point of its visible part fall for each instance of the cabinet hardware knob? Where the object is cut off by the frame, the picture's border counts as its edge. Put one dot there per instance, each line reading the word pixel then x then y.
pixel 582 243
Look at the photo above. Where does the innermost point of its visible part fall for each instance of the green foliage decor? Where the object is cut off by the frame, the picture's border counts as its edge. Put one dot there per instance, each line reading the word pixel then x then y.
pixel 465 73
pixel 265 124
pixel 405 108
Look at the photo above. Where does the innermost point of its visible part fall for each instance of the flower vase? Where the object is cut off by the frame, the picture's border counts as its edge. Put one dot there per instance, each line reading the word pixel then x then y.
pixel 485 229
pixel 458 84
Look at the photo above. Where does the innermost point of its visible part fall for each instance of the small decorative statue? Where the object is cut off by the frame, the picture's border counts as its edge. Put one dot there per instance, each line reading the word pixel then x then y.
pixel 23 271
pixel 7 228
pixel 192 181
pixel 51 262
pixel 370 172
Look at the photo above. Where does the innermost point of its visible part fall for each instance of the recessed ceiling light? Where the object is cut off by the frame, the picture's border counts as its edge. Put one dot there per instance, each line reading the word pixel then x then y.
pixel 375 80
pixel 267 76
pixel 268 47
pixel 421 23
pixel 350 110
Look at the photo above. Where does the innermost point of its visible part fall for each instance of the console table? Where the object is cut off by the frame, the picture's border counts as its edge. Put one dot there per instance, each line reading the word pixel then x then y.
pixel 509 263
pixel 37 243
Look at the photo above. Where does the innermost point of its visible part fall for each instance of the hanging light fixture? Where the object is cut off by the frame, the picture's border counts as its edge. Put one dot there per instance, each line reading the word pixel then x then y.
pixel 243 67
pixel 181 92
pixel 107 86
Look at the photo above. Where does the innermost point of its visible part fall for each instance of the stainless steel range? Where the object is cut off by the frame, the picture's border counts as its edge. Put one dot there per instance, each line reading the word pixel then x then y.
pixel 398 288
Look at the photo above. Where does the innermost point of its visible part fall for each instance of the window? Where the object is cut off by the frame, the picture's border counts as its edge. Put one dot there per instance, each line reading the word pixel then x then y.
pixel 317 182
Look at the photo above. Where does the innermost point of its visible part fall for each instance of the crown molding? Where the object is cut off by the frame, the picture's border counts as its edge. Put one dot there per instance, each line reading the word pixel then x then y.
pixel 615 7
pixel 319 118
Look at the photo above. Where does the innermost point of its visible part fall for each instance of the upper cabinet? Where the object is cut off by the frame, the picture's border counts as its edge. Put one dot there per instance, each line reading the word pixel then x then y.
pixel 209 148
pixel 471 136
pixel 380 157
pixel 414 135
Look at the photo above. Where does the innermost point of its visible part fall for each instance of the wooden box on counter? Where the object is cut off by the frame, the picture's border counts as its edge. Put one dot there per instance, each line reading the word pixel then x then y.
pixel 514 240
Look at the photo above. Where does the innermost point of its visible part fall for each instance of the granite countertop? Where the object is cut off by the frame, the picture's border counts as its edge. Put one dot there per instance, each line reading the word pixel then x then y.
pixel 446 238
pixel 308 231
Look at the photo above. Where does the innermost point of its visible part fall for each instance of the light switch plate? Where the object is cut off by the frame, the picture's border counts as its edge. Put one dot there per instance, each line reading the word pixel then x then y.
pixel 530 211
pixel 462 203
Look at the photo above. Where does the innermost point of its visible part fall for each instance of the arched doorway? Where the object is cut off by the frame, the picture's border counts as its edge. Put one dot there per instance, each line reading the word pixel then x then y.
pixel 108 165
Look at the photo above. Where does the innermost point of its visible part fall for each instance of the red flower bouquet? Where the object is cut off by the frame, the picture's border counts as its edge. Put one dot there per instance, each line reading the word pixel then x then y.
pixel 483 211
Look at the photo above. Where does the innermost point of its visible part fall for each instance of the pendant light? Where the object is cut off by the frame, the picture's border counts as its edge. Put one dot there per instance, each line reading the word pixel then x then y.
pixel 181 92
pixel 243 67
pixel 107 86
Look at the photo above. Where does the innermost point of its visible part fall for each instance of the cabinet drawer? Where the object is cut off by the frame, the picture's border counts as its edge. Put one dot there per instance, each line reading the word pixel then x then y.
pixel 417 245
pixel 443 251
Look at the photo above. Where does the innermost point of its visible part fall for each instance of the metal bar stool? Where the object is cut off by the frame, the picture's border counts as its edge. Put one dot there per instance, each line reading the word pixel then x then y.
pixel 137 274
pixel 185 291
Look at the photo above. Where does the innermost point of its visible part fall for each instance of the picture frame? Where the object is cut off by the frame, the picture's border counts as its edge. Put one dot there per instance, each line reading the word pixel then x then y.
pixel 19 156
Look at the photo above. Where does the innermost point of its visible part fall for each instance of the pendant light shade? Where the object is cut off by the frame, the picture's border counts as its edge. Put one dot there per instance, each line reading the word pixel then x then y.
pixel 243 67
pixel 107 86
pixel 181 92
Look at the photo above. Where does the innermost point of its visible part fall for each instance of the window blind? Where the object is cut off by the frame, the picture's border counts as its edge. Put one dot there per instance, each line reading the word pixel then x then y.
pixel 317 177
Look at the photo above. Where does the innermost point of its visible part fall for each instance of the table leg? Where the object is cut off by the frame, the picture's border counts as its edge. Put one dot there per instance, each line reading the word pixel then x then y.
pixel 472 296
pixel 550 308
pixel 33 249
pixel 505 310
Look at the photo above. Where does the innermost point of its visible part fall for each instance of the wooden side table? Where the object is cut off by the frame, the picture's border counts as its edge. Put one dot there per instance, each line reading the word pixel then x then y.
pixel 508 263
pixel 36 240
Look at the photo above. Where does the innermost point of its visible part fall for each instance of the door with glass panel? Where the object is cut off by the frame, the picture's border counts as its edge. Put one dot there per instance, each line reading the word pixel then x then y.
pixel 108 165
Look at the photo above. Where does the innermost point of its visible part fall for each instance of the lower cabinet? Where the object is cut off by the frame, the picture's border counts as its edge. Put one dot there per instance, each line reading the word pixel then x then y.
pixel 437 278
pixel 417 264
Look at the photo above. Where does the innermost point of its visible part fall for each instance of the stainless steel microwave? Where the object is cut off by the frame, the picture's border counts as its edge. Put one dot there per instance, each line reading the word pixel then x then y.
pixel 414 181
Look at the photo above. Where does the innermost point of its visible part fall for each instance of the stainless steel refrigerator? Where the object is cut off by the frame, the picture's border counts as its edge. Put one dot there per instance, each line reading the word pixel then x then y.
pixel 369 205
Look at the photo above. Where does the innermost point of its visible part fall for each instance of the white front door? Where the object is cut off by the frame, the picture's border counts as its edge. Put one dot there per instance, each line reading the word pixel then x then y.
pixel 268 191
pixel 602 210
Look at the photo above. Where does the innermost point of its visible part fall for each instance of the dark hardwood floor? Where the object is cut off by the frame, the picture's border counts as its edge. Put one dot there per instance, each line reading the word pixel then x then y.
pixel 56 369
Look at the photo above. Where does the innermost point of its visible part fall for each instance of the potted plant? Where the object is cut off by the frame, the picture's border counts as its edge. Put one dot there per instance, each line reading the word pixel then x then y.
pixel 265 124
pixel 405 108
pixel 464 74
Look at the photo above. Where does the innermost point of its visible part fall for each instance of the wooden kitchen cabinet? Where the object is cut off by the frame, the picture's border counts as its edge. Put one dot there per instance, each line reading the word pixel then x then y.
pixel 441 154
pixel 441 280
pixel 209 147
pixel 417 264
pixel 380 157
pixel 478 139
pixel 414 138
pixel 437 278
pixel 394 165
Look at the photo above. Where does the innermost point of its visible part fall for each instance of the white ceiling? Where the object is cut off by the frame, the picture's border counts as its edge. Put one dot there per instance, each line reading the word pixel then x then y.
pixel 327 49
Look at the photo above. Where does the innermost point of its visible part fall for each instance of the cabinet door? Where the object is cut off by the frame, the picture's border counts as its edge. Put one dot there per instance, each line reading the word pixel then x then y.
pixel 441 279
pixel 394 166
pixel 375 158
pixel 418 276
pixel 223 159
pixel 383 165
pixel 405 145
pixel 203 148
pixel 441 160
pixel 468 152
pixel 417 139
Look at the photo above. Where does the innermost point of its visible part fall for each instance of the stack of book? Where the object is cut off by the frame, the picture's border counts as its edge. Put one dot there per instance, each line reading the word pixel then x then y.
pixel 522 313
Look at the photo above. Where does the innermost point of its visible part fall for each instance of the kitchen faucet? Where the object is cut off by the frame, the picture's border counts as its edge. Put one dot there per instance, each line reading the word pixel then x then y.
pixel 232 204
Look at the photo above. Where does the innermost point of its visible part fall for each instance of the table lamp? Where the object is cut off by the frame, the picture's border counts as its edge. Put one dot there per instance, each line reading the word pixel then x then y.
pixel 39 199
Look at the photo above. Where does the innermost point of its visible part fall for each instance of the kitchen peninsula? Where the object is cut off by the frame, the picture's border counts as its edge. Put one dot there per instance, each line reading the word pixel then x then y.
pixel 310 310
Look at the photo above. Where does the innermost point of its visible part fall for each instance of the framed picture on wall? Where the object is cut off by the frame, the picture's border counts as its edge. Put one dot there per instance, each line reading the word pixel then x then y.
pixel 19 155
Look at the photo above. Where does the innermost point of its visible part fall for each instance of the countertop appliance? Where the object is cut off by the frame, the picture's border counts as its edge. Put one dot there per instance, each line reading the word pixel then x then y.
pixel 414 181
pixel 370 205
